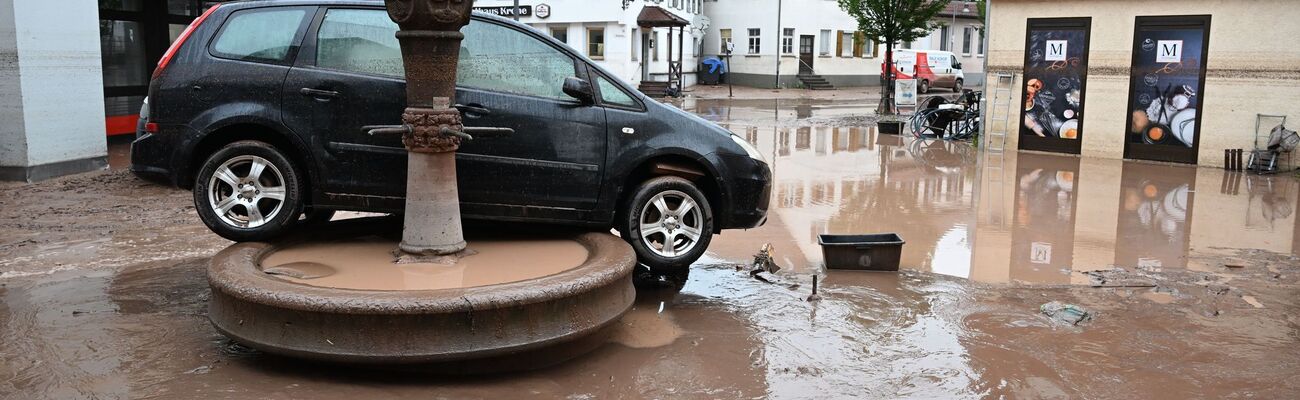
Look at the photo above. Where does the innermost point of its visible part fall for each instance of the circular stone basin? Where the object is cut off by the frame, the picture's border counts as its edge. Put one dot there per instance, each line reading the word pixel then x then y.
pixel 336 295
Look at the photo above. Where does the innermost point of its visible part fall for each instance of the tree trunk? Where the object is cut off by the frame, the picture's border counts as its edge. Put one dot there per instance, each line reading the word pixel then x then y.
pixel 889 76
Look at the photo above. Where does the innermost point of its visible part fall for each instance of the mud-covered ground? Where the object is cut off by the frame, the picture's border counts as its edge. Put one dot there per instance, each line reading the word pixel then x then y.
pixel 1189 275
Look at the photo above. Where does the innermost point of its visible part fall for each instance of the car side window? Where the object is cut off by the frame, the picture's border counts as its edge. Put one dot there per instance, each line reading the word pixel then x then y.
pixel 612 94
pixel 357 40
pixel 260 34
pixel 501 59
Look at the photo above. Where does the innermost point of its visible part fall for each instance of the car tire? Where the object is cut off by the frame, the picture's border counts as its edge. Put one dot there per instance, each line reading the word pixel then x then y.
pixel 956 86
pixel 923 86
pixel 248 191
pixel 656 207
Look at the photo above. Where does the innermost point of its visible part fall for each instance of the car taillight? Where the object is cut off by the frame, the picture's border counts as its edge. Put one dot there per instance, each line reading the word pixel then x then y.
pixel 180 40
pixel 151 127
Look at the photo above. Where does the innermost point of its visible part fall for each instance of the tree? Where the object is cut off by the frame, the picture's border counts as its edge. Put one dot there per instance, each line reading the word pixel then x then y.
pixel 893 21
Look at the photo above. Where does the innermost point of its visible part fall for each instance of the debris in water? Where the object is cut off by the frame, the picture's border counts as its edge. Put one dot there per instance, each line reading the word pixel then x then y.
pixel 814 296
pixel 1252 301
pixel 1234 266
pixel 763 261
pixel 1065 313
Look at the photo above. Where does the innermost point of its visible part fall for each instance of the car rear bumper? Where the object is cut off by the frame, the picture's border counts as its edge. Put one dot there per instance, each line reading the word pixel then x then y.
pixel 151 156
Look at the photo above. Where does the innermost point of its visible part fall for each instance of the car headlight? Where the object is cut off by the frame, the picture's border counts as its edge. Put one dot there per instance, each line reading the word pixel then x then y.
pixel 749 148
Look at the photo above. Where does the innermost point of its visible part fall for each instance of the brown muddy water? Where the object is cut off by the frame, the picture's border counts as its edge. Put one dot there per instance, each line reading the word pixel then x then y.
pixel 1190 275
pixel 369 263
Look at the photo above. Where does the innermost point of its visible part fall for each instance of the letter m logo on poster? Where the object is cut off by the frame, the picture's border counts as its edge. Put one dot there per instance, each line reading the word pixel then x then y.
pixel 1169 51
pixel 1055 50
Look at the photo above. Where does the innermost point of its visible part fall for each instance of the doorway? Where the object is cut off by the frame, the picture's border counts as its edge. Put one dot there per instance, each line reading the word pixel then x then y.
pixel 805 54
pixel 645 53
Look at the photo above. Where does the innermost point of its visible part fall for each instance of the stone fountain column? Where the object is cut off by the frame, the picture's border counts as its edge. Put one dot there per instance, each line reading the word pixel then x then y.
pixel 430 39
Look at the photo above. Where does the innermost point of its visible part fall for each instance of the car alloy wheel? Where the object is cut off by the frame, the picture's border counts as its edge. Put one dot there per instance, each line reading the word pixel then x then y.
pixel 246 191
pixel 671 224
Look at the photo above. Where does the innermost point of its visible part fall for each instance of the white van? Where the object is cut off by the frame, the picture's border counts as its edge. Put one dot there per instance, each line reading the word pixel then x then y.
pixel 937 69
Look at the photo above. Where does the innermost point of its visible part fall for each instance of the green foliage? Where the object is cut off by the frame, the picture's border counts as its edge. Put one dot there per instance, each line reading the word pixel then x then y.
pixel 894 21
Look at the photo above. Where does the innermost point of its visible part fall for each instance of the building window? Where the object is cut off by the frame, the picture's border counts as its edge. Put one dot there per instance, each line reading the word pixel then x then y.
pixel 754 44
pixel 863 45
pixel 596 43
pixel 787 41
pixel 980 45
pixel 560 33
pixel 654 45
pixel 846 44
pixel 826 42
pixel 725 38
pixel 636 51
pixel 966 36
pixel 944 38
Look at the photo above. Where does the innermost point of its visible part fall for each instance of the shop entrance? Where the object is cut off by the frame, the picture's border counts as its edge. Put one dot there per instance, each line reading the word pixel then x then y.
pixel 133 35
pixel 1166 88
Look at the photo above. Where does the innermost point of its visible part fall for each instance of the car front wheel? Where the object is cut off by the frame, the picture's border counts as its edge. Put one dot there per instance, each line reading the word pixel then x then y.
pixel 669 223
pixel 248 191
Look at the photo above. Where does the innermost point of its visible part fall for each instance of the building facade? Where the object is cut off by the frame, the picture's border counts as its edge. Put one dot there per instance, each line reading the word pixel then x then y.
pixel 1144 80
pixel 773 41
pixel 608 33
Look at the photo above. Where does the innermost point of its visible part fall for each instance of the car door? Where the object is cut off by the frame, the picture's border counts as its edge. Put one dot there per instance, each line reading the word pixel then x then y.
pixel 351 76
pixel 509 77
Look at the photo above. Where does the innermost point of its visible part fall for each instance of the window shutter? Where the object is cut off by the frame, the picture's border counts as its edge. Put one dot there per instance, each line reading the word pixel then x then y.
pixel 839 43
pixel 858 43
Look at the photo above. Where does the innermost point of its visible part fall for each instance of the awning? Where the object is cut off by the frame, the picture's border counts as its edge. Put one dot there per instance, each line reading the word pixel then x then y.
pixel 656 17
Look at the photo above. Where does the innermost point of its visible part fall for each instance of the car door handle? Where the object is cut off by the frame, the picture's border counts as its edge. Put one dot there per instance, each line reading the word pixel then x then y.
pixel 318 93
pixel 472 110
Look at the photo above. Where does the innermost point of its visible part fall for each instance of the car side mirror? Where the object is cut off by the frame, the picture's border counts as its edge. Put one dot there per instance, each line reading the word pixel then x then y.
pixel 579 89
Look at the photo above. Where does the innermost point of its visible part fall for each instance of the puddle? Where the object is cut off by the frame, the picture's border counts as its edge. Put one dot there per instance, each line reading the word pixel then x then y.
pixel 643 328
pixel 369 264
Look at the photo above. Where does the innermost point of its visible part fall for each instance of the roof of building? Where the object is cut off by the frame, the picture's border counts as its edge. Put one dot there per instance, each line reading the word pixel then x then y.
pixel 657 17
pixel 955 9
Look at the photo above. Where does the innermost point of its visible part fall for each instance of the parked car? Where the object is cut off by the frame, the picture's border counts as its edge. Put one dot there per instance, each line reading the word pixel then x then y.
pixel 930 68
pixel 258 107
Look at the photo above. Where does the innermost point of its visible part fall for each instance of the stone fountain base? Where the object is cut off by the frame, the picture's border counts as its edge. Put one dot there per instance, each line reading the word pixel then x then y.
pixel 448 313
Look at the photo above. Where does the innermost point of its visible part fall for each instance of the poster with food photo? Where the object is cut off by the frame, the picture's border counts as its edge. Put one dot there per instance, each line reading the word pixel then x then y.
pixel 1166 86
pixel 1055 71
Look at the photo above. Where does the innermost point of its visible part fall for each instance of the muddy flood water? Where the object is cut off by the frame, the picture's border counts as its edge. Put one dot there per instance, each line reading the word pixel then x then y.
pixel 1189 276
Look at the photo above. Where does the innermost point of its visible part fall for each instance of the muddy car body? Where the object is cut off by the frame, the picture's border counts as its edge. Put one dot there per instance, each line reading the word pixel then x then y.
pixel 285 87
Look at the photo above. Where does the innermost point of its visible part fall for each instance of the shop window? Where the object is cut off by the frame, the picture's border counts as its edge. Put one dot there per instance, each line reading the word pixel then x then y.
pixel 259 35
pixel 787 41
pixel 596 43
pixel 123 46
pixel 754 44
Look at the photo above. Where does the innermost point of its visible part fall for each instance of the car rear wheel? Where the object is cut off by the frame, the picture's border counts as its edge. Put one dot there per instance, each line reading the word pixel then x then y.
pixel 248 191
pixel 956 86
pixel 669 223
pixel 923 86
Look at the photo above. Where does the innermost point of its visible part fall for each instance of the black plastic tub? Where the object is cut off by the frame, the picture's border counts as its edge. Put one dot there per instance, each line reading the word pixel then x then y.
pixel 874 252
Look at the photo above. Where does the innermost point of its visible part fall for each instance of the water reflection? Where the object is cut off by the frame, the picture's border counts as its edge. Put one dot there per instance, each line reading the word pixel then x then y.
pixel 1034 218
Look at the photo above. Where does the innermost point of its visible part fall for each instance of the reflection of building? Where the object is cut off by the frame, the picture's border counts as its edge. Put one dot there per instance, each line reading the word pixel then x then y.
pixel 817 37
pixel 1154 81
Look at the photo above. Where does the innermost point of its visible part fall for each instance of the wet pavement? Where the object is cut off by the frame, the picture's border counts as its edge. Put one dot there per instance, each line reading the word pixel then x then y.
pixel 1190 276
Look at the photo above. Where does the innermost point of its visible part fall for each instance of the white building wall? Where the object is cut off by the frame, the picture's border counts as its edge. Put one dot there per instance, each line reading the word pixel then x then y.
pixel 807 17
pixel 621 56
pixel 51 83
